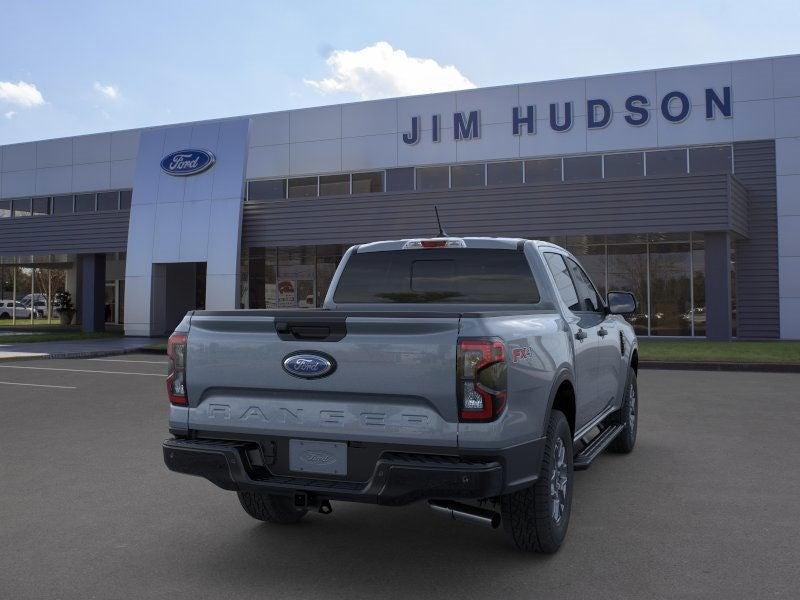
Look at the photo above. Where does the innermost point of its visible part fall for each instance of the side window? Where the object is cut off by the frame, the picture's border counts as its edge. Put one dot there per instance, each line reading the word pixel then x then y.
pixel 564 284
pixel 589 299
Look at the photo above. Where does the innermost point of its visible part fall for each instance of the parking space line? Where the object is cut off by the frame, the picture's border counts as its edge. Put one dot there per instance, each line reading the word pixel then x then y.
pixel 61 387
pixel 81 371
pixel 122 360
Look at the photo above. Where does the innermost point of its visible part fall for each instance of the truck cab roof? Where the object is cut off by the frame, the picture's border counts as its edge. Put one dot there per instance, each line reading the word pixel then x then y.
pixel 468 242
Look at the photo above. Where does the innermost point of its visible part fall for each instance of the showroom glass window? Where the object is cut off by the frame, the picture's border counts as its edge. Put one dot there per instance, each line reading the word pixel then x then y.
pixel 465 176
pixel 368 183
pixel 661 163
pixel 270 189
pixel 504 173
pixel 670 289
pixel 433 178
pixel 627 272
pixel 108 201
pixel 547 170
pixel 334 185
pixel 710 159
pixel 41 206
pixel 303 187
pixel 62 205
pixel 583 168
pixel 84 203
pixel 628 164
pixel 288 276
pixel 400 180
pixel 22 207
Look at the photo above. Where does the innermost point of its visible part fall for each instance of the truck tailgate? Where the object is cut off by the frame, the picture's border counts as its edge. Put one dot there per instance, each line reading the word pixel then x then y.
pixel 394 377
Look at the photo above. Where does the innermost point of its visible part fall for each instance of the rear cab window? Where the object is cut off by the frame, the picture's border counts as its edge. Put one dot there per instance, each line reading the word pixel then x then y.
pixel 437 276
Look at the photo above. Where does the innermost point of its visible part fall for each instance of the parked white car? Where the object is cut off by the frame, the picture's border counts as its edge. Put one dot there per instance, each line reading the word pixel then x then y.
pixel 12 308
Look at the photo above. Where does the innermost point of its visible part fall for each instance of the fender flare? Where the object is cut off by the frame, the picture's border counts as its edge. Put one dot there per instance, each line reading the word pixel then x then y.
pixel 563 373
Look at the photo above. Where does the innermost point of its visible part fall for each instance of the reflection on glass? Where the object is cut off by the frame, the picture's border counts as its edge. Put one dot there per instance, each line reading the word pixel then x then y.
pixel 593 260
pixel 400 180
pixel 699 286
pixel 368 183
pixel 627 272
pixel 270 189
pixel 734 309
pixel 303 187
pixel 433 178
pixel 334 185
pixel 670 298
pixel 299 277
pixel 468 175
pixel 504 173
pixel 22 207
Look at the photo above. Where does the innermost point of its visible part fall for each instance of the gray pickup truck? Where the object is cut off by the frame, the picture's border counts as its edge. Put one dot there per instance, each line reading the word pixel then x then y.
pixel 473 373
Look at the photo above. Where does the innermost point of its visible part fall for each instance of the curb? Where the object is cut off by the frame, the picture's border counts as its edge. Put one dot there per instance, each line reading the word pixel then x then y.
pixel 88 354
pixel 721 366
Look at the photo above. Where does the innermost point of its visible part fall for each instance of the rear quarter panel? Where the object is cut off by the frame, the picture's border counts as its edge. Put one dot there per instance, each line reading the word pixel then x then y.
pixel 538 351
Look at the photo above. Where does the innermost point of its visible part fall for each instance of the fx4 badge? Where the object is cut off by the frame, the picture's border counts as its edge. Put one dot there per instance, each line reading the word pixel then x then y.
pixel 518 354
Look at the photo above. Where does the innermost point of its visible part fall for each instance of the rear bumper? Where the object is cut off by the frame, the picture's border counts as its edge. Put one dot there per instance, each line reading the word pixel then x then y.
pixel 398 477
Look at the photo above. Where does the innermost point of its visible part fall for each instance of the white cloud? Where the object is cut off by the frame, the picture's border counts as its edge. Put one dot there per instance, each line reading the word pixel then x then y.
pixel 380 71
pixel 109 91
pixel 10 114
pixel 20 93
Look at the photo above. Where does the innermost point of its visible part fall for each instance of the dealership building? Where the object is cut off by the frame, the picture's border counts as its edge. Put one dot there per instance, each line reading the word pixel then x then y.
pixel 681 185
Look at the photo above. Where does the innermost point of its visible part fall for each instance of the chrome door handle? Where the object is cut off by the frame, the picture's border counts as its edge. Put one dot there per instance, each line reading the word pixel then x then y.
pixel 602 332
pixel 581 335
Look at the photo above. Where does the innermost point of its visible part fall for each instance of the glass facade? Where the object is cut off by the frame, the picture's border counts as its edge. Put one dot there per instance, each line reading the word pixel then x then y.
pixel 666 273
pixel 34 289
pixel 585 167
pixel 289 276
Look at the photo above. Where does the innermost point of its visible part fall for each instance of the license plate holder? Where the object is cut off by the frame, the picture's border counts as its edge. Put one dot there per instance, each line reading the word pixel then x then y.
pixel 311 456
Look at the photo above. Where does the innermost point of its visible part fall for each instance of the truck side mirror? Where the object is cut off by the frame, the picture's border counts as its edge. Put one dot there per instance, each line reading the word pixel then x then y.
pixel 621 303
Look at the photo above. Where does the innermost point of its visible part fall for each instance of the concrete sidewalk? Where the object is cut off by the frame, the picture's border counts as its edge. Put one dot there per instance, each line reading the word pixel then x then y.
pixel 74 348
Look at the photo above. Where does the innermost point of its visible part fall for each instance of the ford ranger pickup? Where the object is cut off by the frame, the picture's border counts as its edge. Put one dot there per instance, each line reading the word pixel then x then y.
pixel 473 373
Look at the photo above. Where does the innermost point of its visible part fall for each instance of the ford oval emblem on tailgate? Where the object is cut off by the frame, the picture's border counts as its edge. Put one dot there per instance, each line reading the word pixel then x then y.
pixel 309 365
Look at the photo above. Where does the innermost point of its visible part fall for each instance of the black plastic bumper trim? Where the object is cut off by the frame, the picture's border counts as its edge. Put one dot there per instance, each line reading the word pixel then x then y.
pixel 398 478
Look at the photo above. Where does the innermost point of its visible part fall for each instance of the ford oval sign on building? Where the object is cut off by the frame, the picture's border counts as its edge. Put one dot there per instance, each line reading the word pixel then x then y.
pixel 187 162
pixel 309 365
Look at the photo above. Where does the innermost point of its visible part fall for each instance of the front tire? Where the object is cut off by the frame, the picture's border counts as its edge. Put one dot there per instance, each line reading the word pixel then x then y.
pixel 270 508
pixel 537 517
pixel 628 416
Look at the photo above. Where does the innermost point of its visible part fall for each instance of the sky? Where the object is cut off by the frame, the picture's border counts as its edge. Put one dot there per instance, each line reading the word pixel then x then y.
pixel 85 66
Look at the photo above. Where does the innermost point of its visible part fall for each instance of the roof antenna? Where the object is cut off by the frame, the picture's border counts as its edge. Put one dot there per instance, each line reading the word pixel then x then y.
pixel 442 232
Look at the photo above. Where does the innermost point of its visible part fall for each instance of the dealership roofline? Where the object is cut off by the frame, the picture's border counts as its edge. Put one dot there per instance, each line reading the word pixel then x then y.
pixel 317 106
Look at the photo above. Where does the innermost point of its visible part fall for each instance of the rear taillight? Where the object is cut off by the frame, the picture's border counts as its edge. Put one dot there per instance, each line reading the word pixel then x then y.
pixel 176 380
pixel 481 379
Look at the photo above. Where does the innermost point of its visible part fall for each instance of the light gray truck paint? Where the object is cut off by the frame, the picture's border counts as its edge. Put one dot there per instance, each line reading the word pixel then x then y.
pixel 395 376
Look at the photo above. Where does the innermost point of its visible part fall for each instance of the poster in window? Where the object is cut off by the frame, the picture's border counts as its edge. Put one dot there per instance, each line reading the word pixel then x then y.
pixel 305 293
pixel 287 293
pixel 270 295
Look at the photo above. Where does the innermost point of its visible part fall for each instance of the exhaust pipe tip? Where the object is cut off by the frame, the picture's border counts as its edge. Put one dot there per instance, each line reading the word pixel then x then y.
pixel 465 513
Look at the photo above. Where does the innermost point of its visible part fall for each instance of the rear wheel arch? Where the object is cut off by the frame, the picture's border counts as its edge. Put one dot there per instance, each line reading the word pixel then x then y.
pixel 562 398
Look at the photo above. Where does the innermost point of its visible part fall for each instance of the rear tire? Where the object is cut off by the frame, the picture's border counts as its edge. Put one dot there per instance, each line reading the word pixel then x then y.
pixel 628 416
pixel 270 508
pixel 537 517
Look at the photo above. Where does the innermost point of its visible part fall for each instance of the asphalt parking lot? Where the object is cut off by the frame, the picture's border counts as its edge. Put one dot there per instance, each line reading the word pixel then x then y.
pixel 707 506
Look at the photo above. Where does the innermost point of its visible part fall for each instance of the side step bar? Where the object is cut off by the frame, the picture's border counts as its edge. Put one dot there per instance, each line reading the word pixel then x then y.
pixel 583 460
